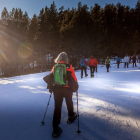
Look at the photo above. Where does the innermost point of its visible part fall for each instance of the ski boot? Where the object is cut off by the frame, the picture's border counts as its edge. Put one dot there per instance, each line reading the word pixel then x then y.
pixel 71 119
pixel 56 131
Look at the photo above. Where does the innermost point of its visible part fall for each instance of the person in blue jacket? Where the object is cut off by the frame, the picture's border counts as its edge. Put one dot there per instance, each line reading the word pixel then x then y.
pixel 118 60
pixel 83 65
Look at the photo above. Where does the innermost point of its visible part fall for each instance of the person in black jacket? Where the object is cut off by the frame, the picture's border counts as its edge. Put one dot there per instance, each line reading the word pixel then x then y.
pixel 63 92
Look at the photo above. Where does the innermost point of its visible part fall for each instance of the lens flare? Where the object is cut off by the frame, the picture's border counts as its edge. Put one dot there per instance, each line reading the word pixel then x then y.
pixel 25 50
pixel 3 55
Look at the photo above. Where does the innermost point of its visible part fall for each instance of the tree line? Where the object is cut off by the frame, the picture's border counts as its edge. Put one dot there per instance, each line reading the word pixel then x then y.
pixel 28 44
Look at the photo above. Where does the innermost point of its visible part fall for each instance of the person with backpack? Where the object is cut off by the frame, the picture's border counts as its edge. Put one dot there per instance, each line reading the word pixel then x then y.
pixel 83 64
pixel 64 84
pixel 126 61
pixel 118 60
pixel 107 62
pixel 92 64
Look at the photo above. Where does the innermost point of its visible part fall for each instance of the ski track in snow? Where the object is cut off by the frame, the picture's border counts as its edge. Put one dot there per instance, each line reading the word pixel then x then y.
pixel 108 107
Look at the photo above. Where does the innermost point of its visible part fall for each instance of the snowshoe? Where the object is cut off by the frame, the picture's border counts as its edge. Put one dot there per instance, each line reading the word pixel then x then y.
pixel 56 131
pixel 86 75
pixel 92 76
pixel 71 119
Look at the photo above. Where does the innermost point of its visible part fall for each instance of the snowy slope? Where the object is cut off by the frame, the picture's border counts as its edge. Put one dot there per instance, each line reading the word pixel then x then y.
pixel 108 105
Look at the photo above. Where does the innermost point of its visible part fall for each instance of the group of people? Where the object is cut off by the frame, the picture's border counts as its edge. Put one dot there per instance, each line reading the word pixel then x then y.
pixel 92 64
pixel 126 61
pixel 62 82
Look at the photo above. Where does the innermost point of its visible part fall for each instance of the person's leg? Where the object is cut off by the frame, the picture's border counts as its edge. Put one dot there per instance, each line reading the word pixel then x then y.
pixel 93 70
pixel 90 70
pixel 108 68
pixel 124 64
pixel 96 68
pixel 68 97
pixel 71 114
pixel 58 99
pixel 81 71
pixel 135 64
pixel 127 64
pixel 85 69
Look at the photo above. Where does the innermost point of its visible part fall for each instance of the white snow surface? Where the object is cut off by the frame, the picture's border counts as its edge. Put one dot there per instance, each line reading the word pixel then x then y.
pixel 109 107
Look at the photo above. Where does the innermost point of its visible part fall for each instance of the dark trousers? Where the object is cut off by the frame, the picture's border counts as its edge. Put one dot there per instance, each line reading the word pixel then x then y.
pixel 96 68
pixel 118 65
pixel 92 69
pixel 83 68
pixel 107 66
pixel 59 94
pixel 134 63
pixel 126 64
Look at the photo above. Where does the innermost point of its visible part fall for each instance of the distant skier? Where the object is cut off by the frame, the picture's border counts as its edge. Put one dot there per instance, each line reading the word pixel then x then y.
pixel 96 64
pixel 83 64
pixel 134 60
pixel 118 60
pixel 107 62
pixel 139 58
pixel 92 64
pixel 126 61
pixel 130 59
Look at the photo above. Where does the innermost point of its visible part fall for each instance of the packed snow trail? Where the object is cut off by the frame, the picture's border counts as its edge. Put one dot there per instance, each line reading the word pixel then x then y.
pixel 108 106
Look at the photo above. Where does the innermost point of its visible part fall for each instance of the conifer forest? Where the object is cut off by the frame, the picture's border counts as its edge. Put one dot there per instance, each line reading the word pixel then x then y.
pixel 30 44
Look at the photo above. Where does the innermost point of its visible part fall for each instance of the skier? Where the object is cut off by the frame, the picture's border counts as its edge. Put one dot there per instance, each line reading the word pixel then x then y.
pixel 92 64
pixel 126 61
pixel 118 60
pixel 139 58
pixel 134 60
pixel 63 91
pixel 130 59
pixel 107 62
pixel 96 64
pixel 83 64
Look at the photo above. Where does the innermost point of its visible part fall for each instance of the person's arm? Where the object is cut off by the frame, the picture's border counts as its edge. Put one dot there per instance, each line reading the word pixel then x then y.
pixel 96 62
pixel 86 63
pixel 89 62
pixel 52 70
pixel 73 73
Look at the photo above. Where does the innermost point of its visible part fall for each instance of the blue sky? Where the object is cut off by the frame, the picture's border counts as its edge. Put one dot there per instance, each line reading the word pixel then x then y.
pixel 34 6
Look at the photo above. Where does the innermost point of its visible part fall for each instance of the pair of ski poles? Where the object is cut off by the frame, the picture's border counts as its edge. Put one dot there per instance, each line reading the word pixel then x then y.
pixel 78 131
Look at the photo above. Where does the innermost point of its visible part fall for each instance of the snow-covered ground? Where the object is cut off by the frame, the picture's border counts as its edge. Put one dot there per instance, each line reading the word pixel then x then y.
pixel 109 107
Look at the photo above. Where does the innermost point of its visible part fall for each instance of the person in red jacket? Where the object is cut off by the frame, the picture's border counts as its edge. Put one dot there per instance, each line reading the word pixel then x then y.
pixel 96 64
pixel 64 92
pixel 92 64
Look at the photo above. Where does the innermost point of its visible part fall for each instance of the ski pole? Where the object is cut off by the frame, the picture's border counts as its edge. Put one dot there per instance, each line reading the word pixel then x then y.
pixel 46 110
pixel 78 114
